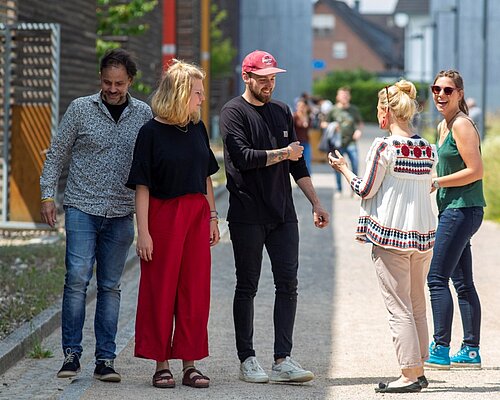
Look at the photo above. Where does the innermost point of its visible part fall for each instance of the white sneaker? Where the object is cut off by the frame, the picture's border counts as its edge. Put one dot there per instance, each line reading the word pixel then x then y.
pixel 290 371
pixel 251 371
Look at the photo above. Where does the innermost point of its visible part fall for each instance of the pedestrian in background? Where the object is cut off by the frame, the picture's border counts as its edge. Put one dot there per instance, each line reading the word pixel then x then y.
pixel 460 203
pixel 177 224
pixel 302 123
pixel 348 117
pixel 396 217
pixel 476 114
pixel 96 136
pixel 261 151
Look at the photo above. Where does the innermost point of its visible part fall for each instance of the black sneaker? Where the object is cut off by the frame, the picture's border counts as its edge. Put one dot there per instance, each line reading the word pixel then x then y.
pixel 70 367
pixel 105 371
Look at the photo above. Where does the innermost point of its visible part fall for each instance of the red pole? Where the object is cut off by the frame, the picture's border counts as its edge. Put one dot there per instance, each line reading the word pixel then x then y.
pixel 169 48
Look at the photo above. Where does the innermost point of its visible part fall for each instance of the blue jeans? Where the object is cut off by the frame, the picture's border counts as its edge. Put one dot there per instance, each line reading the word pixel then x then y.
pixel 352 152
pixel 106 241
pixel 452 258
pixel 282 245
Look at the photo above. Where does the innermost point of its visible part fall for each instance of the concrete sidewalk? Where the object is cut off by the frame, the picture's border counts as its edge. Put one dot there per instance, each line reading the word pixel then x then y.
pixel 341 330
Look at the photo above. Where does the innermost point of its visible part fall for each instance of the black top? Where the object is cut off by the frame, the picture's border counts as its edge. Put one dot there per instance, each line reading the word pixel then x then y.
pixel 116 109
pixel 258 194
pixel 172 163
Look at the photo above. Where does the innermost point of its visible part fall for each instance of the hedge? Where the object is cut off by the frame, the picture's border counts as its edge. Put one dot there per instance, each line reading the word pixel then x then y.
pixel 364 89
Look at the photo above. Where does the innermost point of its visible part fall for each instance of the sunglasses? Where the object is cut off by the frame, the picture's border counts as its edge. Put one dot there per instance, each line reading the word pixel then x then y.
pixel 447 89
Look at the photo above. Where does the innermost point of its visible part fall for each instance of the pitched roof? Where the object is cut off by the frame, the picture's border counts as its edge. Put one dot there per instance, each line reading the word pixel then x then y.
pixel 412 7
pixel 381 41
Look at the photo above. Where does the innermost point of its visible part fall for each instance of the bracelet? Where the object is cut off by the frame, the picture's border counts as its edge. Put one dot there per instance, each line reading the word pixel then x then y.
pixel 214 219
pixel 214 212
pixel 46 200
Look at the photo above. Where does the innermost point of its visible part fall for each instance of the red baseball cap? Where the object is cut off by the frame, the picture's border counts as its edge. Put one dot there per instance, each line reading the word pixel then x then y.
pixel 260 63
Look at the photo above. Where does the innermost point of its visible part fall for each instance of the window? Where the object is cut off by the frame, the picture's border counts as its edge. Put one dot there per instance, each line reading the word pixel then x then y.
pixel 323 24
pixel 339 50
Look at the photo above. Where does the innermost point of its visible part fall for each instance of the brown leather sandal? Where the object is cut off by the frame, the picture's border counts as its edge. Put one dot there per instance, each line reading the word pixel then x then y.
pixel 194 381
pixel 163 375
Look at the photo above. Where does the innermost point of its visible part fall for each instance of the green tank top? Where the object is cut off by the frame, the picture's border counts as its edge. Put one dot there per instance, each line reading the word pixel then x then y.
pixel 450 161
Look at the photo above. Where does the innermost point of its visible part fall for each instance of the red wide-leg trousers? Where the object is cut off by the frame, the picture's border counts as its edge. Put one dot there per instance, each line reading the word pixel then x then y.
pixel 174 290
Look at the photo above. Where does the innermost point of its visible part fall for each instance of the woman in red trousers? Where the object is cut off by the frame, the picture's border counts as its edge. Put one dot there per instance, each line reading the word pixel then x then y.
pixel 177 224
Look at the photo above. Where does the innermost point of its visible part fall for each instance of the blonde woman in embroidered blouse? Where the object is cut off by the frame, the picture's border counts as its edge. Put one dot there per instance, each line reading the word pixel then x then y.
pixel 396 217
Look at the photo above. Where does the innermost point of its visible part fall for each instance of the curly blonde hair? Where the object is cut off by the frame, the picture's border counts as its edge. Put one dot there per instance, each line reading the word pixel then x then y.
pixel 170 100
pixel 402 100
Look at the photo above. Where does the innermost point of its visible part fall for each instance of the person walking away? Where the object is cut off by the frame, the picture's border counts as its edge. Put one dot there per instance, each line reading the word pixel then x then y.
pixel 177 224
pixel 348 117
pixel 460 203
pixel 302 122
pixel 261 151
pixel 396 217
pixel 96 136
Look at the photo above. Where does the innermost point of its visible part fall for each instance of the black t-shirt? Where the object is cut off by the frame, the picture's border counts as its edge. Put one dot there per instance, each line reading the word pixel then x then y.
pixel 258 194
pixel 116 109
pixel 172 163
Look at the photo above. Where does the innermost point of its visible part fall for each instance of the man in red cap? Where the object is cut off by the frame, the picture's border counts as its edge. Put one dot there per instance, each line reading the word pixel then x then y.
pixel 261 151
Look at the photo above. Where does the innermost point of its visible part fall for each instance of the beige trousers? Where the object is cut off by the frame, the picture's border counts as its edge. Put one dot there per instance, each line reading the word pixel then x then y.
pixel 402 277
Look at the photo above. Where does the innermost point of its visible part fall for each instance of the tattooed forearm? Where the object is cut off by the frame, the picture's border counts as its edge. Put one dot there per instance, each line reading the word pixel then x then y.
pixel 276 156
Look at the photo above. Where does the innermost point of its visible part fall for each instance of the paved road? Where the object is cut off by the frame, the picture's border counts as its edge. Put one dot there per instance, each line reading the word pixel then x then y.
pixel 341 331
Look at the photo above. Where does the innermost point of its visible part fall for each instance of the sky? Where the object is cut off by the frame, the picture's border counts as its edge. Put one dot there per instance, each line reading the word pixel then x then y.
pixel 375 6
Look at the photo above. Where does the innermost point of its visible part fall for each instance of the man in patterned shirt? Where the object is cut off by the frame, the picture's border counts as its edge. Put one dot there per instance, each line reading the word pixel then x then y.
pixel 96 137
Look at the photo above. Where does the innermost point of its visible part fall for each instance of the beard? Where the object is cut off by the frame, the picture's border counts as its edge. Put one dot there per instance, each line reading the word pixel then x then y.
pixel 263 98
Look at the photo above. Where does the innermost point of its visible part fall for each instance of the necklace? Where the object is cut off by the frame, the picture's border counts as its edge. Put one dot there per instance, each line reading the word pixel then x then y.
pixel 186 128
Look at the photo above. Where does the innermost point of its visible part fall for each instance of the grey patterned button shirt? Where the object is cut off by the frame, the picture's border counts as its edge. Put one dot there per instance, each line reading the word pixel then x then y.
pixel 99 151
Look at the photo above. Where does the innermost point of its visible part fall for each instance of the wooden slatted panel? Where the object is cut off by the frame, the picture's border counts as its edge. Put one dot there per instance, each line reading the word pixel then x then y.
pixel 8 11
pixel 79 69
pixel 32 67
pixel 188 30
pixel 30 137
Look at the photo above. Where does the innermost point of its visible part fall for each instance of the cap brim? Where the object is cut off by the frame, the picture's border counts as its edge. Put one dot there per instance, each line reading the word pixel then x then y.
pixel 268 71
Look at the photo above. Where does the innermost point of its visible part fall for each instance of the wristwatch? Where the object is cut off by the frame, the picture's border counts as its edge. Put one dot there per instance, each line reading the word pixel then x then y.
pixel 435 183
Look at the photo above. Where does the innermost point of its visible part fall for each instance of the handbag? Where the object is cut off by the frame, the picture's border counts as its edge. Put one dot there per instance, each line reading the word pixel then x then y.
pixel 330 138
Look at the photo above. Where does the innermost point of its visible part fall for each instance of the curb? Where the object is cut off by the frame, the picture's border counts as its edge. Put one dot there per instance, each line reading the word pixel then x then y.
pixel 20 342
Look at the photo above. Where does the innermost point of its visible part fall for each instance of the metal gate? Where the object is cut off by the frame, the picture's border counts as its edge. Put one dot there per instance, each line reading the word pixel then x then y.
pixel 29 107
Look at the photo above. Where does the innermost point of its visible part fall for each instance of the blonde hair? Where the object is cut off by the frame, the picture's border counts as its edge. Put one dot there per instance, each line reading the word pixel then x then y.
pixel 402 100
pixel 170 100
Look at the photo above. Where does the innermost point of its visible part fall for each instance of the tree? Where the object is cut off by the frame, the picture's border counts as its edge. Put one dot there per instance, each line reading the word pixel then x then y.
pixel 116 21
pixel 222 49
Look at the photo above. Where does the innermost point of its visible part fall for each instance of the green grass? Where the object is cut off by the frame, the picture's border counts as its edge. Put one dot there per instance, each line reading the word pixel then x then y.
pixel 491 161
pixel 39 352
pixel 32 278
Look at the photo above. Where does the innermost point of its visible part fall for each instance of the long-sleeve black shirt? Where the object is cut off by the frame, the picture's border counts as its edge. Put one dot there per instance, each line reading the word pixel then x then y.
pixel 259 194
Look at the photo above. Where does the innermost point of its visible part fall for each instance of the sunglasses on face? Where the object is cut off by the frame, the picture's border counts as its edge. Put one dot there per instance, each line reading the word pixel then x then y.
pixel 447 89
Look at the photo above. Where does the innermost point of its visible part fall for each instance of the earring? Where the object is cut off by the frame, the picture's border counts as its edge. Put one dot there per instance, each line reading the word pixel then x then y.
pixel 384 122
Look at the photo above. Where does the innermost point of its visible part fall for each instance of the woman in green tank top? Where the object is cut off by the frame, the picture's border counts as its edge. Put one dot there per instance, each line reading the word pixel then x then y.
pixel 460 202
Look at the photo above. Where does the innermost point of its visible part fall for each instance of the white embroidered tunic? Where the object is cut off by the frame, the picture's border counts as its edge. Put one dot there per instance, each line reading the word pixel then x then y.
pixel 396 210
